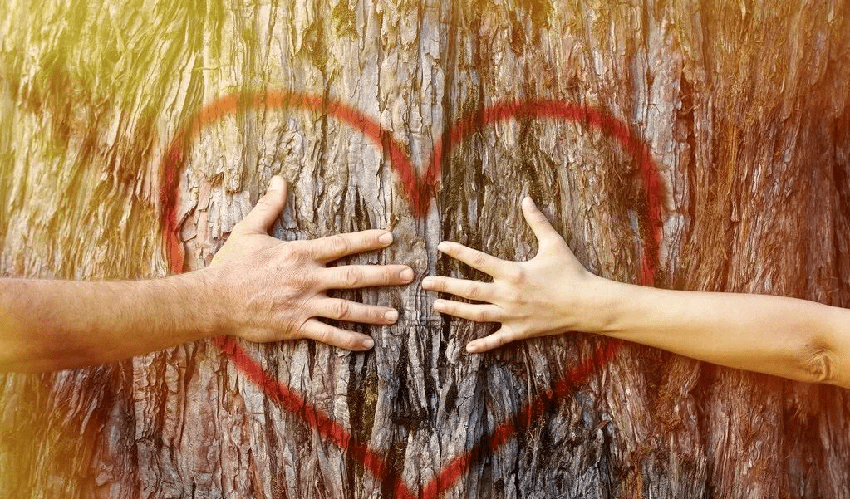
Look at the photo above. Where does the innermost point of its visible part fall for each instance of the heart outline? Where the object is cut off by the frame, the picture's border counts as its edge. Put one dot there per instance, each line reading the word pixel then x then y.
pixel 419 190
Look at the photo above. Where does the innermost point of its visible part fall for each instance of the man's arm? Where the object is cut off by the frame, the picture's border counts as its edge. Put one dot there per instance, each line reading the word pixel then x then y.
pixel 258 288
pixel 553 293
pixel 50 325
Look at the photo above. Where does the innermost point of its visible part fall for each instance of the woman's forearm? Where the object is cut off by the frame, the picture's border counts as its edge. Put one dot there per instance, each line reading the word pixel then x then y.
pixel 60 324
pixel 787 337
pixel 553 293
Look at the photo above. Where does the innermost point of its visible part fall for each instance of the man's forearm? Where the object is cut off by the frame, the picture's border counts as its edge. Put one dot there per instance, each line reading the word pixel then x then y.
pixel 786 337
pixel 64 324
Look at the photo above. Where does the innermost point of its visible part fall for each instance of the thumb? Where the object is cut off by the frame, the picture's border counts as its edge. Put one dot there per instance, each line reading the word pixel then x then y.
pixel 546 235
pixel 269 207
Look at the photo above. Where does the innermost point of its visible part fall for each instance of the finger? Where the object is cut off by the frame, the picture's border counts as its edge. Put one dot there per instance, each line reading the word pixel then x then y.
pixel 269 207
pixel 498 339
pixel 364 276
pixel 325 333
pixel 351 311
pixel 471 290
pixel 474 258
pixel 477 313
pixel 326 249
pixel 543 230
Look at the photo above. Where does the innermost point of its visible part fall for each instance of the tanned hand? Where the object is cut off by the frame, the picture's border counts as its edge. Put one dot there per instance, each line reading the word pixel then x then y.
pixel 274 290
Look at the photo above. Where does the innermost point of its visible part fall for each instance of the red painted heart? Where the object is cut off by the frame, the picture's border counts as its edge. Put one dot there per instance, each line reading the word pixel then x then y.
pixel 419 190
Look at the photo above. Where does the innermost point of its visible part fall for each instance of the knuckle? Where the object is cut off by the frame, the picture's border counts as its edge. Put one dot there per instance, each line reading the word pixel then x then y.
pixel 342 309
pixel 305 281
pixel 478 259
pixel 293 251
pixel 473 291
pixel 506 335
pixel 323 335
pixel 351 277
pixel 388 276
pixel 514 274
pixel 350 342
pixel 290 252
pixel 339 244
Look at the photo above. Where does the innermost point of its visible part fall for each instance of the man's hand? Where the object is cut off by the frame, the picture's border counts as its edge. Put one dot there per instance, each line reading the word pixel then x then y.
pixel 542 296
pixel 275 290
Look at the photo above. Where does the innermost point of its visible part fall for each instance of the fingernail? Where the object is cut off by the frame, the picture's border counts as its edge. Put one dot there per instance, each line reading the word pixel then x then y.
pixel 428 282
pixel 471 348
pixel 438 304
pixel 391 315
pixel 276 183
pixel 368 343
pixel 386 238
pixel 406 275
pixel 443 246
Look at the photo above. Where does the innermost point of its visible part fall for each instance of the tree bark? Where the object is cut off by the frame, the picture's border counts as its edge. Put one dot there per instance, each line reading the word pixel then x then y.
pixel 112 167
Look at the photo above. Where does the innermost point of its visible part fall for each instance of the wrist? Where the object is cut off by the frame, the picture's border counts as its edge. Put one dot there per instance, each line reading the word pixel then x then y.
pixel 210 299
pixel 605 305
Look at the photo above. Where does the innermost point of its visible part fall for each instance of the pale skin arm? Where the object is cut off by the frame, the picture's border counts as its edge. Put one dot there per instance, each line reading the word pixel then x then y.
pixel 257 288
pixel 553 293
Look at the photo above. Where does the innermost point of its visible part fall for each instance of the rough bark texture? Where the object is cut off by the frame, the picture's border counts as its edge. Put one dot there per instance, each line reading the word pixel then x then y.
pixel 743 105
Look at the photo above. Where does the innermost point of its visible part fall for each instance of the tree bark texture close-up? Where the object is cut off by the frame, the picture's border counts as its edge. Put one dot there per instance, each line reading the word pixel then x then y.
pixel 693 145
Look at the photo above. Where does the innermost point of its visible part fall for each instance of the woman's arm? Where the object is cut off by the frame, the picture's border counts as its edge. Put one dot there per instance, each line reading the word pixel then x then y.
pixel 258 288
pixel 553 293
pixel 787 337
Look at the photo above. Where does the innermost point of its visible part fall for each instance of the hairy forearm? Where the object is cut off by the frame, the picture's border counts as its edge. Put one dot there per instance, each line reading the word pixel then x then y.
pixel 786 337
pixel 47 325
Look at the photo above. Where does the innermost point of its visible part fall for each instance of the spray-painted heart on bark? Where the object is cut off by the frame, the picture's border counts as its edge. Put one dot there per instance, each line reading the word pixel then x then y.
pixel 419 190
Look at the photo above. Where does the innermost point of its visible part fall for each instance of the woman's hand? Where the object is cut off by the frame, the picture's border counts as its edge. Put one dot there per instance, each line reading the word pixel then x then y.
pixel 549 294
pixel 553 293
pixel 274 290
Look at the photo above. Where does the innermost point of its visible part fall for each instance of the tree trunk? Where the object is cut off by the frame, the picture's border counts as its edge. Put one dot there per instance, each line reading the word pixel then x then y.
pixel 694 145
